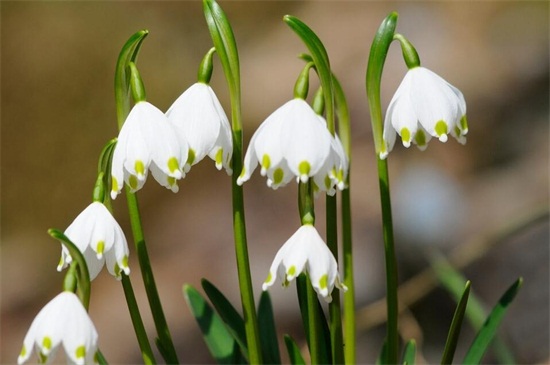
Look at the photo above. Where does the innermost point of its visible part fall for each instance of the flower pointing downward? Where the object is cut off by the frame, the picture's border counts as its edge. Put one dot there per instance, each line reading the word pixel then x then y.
pixel 100 239
pixel 62 321
pixel 424 106
pixel 201 123
pixel 147 141
pixel 306 251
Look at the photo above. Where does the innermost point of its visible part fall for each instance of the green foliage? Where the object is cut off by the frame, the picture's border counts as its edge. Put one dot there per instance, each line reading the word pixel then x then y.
pixel 268 331
pixel 409 354
pixel 456 325
pixel 293 351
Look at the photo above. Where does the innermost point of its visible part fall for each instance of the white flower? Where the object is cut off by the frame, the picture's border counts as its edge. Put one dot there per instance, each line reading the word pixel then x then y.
pixel 423 106
pixel 201 121
pixel 146 141
pixel 62 321
pixel 292 142
pixel 306 250
pixel 100 239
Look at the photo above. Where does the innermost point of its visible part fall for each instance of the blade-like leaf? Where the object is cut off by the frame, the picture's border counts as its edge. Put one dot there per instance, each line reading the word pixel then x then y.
pixel 409 354
pixel 268 332
pixel 220 342
pixel 293 351
pixel 488 331
pixel 383 355
pixel 456 325
pixel 128 54
pixel 232 318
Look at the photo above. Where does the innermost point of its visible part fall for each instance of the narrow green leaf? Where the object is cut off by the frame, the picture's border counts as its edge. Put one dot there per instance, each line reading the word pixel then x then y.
pixel 456 325
pixel 220 342
pixel 268 331
pixel 488 331
pixel 84 285
pixel 321 60
pixel 128 54
pixel 409 354
pixel 100 358
pixel 232 318
pixel 383 355
pixel 293 351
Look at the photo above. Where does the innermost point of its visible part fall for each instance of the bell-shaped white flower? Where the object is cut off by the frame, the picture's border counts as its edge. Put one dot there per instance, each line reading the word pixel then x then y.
pixel 291 142
pixel 146 141
pixel 99 237
pixel 306 251
pixel 62 321
pixel 203 124
pixel 424 106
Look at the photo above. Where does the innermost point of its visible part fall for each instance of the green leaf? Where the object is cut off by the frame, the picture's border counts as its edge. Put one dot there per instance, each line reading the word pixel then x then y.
pixel 100 358
pixel 220 342
pixel 230 316
pixel 268 332
pixel 84 285
pixel 409 354
pixel 488 331
pixel 383 355
pixel 128 54
pixel 456 325
pixel 322 64
pixel 293 351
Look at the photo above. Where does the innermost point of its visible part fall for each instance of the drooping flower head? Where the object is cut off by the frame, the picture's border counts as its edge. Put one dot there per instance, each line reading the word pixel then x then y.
pixel 100 239
pixel 62 321
pixel 201 121
pixel 305 251
pixel 424 106
pixel 293 142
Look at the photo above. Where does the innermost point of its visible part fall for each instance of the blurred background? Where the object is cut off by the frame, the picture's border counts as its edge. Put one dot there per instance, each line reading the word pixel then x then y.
pixel 57 65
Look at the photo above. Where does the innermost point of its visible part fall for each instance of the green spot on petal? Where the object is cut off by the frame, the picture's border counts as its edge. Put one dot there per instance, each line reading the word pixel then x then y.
pixel 47 343
pixel 117 270
pixel 219 157
pixel 291 270
pixel 80 352
pixel 173 164
pixel 323 282
pixel 266 162
pixel 328 182
pixel 304 168
pixel 100 247
pixel 278 176
pixel 42 359
pixel 441 128
pixel 191 156
pixel 114 184
pixel 132 180
pixel 457 130
pixel 420 138
pixel 243 172
pixel 125 261
pixel 464 123
pixel 140 167
pixel 171 180
pixel 405 134
pixel 269 278
pixel 23 351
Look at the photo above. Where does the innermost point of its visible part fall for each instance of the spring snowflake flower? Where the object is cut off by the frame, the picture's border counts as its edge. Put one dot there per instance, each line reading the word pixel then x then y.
pixel 292 142
pixel 62 321
pixel 306 250
pixel 147 141
pixel 100 239
pixel 424 106
pixel 201 121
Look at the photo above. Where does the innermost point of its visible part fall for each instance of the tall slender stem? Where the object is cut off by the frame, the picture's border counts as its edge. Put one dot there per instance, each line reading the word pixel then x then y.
pixel 349 295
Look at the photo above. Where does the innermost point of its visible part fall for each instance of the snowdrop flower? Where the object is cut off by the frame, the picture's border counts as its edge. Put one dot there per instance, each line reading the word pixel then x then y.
pixel 306 250
pixel 147 141
pixel 100 239
pixel 291 142
pixel 201 122
pixel 62 321
pixel 424 106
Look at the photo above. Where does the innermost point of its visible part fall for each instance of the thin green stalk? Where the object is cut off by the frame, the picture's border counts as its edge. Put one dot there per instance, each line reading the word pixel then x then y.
pixel 141 334
pixel 226 48
pixel 391 263
pixel 377 57
pixel 314 330
pixel 168 351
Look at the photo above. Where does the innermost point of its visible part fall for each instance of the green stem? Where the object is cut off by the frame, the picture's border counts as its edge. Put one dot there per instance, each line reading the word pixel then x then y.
pixel 335 311
pixel 139 328
pixel 168 349
pixel 391 263
pixel 314 330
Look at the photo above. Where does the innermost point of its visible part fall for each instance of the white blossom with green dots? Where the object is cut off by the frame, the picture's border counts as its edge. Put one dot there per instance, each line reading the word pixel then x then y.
pixel 147 141
pixel 202 123
pixel 306 252
pixel 293 142
pixel 63 321
pixel 99 237
pixel 424 106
